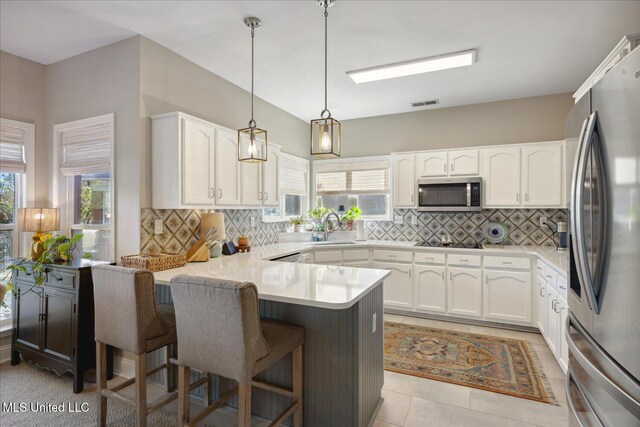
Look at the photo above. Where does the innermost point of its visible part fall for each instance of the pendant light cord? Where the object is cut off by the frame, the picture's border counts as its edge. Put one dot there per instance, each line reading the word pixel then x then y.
pixel 326 15
pixel 252 123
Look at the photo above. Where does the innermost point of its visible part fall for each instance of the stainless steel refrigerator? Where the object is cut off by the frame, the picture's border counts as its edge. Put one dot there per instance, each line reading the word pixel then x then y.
pixel 603 331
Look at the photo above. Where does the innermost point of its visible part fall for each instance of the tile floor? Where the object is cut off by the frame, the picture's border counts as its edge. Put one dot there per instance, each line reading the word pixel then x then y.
pixel 411 401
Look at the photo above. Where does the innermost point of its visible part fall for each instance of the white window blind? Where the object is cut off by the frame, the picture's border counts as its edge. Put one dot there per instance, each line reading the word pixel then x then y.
pixel 12 156
pixel 86 146
pixel 367 177
pixel 293 177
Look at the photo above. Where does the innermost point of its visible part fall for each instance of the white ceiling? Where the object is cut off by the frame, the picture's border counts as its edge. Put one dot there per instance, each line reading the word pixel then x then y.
pixel 524 48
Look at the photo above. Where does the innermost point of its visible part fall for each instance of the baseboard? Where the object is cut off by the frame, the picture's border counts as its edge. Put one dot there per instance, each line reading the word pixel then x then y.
pixel 5 354
pixel 123 367
pixel 476 322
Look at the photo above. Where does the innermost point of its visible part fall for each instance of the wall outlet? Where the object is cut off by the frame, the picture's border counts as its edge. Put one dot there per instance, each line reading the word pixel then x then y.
pixel 414 220
pixel 158 227
pixel 373 329
pixel 253 222
pixel 398 219
pixel 543 221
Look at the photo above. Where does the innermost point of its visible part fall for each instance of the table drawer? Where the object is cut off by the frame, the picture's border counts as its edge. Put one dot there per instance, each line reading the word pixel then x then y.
pixel 57 278
pixel 355 255
pixel 328 256
pixel 516 263
pixel 398 256
pixel 429 258
pixel 460 259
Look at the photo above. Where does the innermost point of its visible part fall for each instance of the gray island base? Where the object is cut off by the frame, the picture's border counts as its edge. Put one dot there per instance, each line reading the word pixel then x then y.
pixel 343 362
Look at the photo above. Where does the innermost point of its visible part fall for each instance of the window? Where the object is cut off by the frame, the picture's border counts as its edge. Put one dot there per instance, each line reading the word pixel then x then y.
pixel 294 184
pixel 85 149
pixel 344 184
pixel 9 197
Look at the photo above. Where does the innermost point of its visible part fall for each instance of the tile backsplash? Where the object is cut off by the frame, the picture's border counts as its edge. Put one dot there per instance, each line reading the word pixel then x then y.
pixel 182 227
pixel 468 227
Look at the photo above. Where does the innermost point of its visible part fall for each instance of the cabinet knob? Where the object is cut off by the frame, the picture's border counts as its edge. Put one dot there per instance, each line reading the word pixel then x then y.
pixel 266 195
pixel 220 193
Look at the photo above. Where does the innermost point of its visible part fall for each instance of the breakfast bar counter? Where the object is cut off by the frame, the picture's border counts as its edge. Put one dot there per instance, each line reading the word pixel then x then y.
pixel 341 310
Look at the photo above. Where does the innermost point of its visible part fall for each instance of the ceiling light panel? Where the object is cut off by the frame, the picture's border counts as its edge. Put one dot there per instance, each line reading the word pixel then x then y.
pixel 417 66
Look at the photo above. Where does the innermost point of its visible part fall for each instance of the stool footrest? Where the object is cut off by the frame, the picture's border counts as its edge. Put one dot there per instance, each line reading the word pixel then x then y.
pixel 215 405
pixel 130 381
pixel 272 387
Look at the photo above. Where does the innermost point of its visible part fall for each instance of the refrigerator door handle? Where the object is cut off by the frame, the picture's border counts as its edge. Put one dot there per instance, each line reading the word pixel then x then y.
pixel 578 396
pixel 577 199
pixel 629 401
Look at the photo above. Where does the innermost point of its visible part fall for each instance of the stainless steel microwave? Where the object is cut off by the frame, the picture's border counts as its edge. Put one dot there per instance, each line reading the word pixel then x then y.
pixel 450 194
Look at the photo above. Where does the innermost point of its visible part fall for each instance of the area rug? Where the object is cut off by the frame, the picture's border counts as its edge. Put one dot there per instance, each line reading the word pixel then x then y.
pixel 501 365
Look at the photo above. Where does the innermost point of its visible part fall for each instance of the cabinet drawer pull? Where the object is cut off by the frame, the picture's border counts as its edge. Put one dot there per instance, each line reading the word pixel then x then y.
pixel 464 260
pixel 549 276
pixel 443 276
pixel 541 290
pixel 563 288
pixel 428 257
pixel 539 268
pixel 59 279
pixel 392 256
pixel 507 262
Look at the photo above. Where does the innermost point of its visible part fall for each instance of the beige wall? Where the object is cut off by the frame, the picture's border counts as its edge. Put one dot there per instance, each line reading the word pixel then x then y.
pixel 22 89
pixel 169 82
pixel 102 81
pixel 534 119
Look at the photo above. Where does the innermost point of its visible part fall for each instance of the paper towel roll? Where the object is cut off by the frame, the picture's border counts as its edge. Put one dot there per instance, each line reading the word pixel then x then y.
pixel 361 232
pixel 210 220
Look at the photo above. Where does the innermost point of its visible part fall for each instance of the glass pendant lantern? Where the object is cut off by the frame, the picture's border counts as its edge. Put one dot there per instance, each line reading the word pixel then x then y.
pixel 325 131
pixel 252 141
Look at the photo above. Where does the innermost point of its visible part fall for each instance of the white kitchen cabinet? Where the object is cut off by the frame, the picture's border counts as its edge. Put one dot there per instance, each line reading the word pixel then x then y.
pixel 464 292
pixel 541 296
pixel 251 174
pixel 404 180
pixel 227 168
pixel 270 177
pixel 432 164
pixel 198 148
pixel 430 287
pixel 463 163
pixel 563 351
pixel 553 320
pixel 542 181
pixel 331 257
pixel 507 296
pixel 398 289
pixel 501 177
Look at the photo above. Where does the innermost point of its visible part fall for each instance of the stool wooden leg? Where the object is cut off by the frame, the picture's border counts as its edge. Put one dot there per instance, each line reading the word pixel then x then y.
pixel 141 390
pixel 169 352
pixel 244 405
pixel 297 385
pixel 209 389
pixel 101 379
pixel 183 394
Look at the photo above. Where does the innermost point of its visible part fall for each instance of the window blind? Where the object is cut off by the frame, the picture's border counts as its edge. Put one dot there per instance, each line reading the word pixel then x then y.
pixel 12 157
pixel 86 148
pixel 368 177
pixel 293 177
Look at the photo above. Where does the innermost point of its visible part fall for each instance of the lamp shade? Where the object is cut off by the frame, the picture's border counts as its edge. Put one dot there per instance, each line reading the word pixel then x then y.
pixel 38 219
pixel 211 220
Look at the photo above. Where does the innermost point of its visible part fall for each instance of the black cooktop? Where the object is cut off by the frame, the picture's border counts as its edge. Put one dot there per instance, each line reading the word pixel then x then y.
pixel 452 245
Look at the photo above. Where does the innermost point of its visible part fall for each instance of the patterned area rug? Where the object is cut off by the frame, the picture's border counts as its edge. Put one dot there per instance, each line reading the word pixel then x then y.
pixel 501 365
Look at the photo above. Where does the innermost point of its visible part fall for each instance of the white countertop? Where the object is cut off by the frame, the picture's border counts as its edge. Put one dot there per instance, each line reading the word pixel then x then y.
pixel 323 285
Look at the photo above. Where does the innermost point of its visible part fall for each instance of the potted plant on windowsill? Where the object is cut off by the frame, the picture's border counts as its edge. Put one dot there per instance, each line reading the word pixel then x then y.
pixel 351 216
pixel 56 250
pixel 316 215
pixel 297 223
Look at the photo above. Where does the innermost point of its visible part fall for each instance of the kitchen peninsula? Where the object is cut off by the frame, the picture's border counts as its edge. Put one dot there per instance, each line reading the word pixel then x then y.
pixel 341 310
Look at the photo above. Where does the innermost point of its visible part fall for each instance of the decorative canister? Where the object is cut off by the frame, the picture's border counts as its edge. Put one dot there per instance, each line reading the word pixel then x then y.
pixel 215 250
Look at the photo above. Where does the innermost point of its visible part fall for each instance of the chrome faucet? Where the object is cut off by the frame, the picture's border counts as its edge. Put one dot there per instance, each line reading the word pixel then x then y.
pixel 325 222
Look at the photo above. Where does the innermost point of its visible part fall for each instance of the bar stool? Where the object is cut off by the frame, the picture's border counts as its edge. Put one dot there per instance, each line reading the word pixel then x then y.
pixel 127 317
pixel 220 332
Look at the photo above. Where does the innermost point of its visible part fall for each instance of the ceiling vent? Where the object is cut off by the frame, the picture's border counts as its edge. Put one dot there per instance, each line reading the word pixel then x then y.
pixel 425 103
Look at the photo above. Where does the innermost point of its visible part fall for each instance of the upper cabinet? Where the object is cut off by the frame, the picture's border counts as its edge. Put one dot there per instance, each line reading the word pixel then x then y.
pixel 404 180
pixel 447 163
pixel 542 175
pixel 501 177
pixel 195 166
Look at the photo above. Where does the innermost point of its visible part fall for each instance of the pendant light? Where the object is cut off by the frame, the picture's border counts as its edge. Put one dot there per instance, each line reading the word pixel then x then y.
pixel 325 131
pixel 252 141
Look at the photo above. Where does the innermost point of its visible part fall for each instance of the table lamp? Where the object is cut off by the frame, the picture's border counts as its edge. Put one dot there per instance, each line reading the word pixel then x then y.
pixel 38 220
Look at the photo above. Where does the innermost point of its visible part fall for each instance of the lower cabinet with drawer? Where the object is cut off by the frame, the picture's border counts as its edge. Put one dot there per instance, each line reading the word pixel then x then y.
pixel 53 324
pixel 464 292
pixel 398 288
pixel 507 296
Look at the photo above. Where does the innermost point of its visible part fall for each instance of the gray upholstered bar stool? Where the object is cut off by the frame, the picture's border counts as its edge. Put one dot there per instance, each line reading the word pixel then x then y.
pixel 220 332
pixel 127 317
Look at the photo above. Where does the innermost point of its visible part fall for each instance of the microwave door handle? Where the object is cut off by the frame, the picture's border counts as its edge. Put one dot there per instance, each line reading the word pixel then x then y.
pixel 468 194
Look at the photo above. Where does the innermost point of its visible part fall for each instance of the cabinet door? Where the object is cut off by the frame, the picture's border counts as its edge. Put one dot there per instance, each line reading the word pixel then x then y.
pixel 542 175
pixel 58 336
pixel 251 184
pixel 270 177
pixel 28 307
pixel 464 292
pixel 430 286
pixel 553 320
pixel 507 296
pixel 502 177
pixel 198 148
pixel 432 163
pixel 227 169
pixel 404 180
pixel 397 287
pixel 463 162
pixel 563 352
pixel 541 296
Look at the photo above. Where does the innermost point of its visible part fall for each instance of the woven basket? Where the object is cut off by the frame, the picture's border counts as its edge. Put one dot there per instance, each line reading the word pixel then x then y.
pixel 154 261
